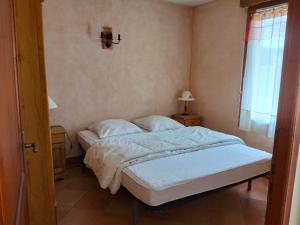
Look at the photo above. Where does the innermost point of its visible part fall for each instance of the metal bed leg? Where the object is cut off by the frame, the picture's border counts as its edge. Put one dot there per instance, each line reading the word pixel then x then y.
pixel 135 212
pixel 82 165
pixel 249 185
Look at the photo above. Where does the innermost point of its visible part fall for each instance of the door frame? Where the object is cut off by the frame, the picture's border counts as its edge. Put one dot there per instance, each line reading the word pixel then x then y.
pixel 287 136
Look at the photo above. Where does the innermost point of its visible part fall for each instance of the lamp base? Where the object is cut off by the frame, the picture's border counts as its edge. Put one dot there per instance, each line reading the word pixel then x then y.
pixel 184 114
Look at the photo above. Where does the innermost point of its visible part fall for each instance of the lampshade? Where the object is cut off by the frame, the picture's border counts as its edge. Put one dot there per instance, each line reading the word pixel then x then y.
pixel 186 96
pixel 51 103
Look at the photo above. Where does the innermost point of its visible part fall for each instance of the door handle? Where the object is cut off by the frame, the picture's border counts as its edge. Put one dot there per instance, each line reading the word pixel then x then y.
pixel 32 146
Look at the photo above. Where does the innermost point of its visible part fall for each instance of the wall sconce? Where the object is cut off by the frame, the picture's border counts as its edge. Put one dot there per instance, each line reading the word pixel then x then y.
pixel 108 39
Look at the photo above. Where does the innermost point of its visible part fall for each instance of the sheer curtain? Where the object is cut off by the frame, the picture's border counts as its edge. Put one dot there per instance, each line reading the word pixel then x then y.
pixel 263 71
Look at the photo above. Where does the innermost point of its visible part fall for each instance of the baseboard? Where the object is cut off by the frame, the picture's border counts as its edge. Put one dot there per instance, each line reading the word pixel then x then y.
pixel 73 162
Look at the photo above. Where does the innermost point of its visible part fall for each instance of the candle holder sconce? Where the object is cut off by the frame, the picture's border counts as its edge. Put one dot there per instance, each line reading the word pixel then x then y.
pixel 107 38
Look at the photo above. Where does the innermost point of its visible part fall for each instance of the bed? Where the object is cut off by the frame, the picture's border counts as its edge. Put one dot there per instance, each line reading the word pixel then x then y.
pixel 158 181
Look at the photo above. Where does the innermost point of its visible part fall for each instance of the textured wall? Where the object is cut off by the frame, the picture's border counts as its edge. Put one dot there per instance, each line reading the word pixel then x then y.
pixel 217 63
pixel 141 76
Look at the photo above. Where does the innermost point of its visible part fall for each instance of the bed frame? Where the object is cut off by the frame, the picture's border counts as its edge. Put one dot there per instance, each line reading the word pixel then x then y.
pixel 169 205
pixel 161 208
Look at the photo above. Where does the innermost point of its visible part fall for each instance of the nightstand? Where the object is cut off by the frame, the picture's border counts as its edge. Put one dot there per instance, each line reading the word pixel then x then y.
pixel 58 151
pixel 188 120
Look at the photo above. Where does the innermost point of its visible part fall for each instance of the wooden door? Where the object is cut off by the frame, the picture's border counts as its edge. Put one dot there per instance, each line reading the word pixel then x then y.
pixel 13 205
pixel 34 110
pixel 25 198
pixel 287 135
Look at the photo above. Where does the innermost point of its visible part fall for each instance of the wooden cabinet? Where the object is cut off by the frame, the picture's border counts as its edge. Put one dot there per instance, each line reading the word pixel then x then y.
pixel 58 151
pixel 188 120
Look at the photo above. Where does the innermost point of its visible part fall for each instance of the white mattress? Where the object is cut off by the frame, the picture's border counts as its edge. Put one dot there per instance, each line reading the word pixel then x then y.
pixel 166 179
pixel 86 139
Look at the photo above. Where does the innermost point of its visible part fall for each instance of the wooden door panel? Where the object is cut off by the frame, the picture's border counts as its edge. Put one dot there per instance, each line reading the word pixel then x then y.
pixel 13 208
pixel 34 111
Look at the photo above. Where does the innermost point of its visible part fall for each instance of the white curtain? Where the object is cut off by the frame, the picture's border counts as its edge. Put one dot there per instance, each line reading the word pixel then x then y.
pixel 263 70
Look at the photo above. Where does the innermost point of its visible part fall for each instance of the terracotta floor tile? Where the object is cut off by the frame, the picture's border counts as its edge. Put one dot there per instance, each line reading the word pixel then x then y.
pixel 149 221
pixel 254 207
pixel 259 190
pixel 167 215
pixel 82 217
pixel 61 184
pixel 120 206
pixel 77 172
pixel 66 197
pixel 83 184
pixel 94 200
pixel 254 220
pixel 227 217
pixel 62 211
pixel 109 219
pixel 190 215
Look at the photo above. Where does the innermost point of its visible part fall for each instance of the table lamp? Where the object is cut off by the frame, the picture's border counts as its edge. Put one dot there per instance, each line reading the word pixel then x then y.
pixel 186 97
pixel 51 103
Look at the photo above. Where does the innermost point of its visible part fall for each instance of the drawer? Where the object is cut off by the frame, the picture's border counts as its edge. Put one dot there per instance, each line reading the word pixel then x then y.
pixel 193 122
pixel 58 138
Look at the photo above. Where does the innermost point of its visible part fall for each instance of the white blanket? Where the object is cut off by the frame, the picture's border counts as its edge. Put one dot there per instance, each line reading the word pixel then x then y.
pixel 109 156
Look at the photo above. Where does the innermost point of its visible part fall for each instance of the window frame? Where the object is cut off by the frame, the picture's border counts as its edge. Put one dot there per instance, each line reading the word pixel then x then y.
pixel 250 12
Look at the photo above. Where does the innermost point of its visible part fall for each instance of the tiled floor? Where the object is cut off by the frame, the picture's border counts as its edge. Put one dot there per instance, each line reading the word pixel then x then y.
pixel 82 202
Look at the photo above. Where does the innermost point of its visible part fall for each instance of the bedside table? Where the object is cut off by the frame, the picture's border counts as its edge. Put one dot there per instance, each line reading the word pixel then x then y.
pixel 188 120
pixel 58 151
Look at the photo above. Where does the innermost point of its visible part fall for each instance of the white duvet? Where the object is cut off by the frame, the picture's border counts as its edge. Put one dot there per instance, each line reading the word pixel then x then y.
pixel 109 156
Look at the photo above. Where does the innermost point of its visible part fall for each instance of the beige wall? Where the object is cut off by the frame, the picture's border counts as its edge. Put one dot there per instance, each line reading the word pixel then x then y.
pixel 295 213
pixel 217 62
pixel 141 76
pixel 146 72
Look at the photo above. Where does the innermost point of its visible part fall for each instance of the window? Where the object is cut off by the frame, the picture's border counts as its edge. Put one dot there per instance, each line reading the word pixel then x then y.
pixel 263 68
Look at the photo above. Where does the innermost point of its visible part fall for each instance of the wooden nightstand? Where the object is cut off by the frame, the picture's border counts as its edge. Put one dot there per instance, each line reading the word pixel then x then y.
pixel 58 151
pixel 188 120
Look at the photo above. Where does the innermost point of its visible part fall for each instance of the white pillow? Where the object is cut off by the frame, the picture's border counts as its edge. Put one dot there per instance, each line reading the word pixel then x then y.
pixel 114 127
pixel 157 123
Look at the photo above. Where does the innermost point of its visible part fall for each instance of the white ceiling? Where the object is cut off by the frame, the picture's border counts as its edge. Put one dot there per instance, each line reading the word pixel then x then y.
pixel 189 2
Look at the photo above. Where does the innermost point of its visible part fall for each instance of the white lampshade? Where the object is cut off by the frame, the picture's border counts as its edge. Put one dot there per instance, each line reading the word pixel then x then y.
pixel 186 96
pixel 51 103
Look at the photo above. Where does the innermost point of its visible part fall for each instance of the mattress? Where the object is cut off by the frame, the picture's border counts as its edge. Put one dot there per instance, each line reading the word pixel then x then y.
pixel 86 139
pixel 170 178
